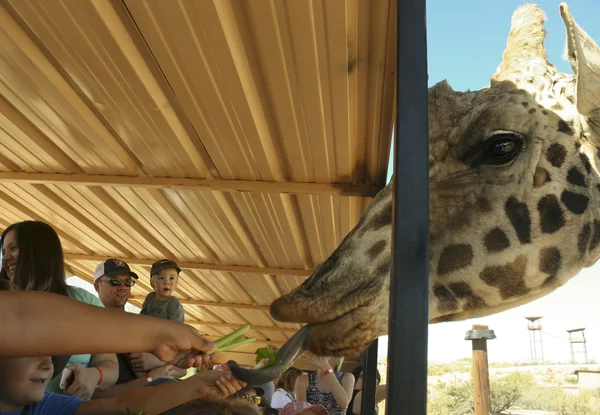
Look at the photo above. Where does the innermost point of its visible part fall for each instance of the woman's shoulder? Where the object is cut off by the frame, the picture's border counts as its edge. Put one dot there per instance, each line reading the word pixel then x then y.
pixel 82 295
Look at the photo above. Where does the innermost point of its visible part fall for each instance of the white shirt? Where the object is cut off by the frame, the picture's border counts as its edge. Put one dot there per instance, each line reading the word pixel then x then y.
pixel 281 398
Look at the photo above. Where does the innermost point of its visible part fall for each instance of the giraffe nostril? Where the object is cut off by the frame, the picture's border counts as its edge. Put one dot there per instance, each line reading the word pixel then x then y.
pixel 540 177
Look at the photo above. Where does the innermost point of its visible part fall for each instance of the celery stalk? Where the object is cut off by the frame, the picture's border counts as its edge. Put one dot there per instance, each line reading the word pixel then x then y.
pixel 233 339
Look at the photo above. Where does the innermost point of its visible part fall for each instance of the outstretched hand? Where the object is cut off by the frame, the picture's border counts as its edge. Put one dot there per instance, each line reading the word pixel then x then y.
pixel 216 384
pixel 184 347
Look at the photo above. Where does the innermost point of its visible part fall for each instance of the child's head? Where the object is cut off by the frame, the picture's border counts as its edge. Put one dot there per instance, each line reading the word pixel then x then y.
pixel 163 278
pixel 23 380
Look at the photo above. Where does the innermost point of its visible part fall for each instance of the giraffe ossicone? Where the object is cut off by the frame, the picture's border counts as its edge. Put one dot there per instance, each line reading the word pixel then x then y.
pixel 514 202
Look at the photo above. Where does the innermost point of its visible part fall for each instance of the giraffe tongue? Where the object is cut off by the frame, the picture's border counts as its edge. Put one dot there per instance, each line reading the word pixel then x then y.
pixel 287 355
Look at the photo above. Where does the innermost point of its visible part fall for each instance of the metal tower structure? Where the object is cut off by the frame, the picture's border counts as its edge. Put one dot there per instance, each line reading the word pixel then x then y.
pixel 578 344
pixel 535 340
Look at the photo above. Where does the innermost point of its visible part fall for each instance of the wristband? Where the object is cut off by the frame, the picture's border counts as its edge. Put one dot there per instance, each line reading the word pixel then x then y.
pixel 328 372
pixel 148 378
pixel 101 375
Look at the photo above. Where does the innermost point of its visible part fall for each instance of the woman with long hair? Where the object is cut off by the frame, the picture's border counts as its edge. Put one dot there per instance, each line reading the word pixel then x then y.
pixel 286 386
pixel 328 386
pixel 33 260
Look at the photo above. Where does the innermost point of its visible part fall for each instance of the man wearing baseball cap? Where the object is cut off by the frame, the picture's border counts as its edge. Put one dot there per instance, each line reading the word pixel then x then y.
pixel 113 280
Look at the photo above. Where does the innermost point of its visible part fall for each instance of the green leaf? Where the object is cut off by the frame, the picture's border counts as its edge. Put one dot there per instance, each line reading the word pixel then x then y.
pixel 269 353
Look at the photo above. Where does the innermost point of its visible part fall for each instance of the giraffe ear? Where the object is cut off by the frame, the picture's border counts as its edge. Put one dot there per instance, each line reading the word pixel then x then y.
pixel 524 59
pixel 584 55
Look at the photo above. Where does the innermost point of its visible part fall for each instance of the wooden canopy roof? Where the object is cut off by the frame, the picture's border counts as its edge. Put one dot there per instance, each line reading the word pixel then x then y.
pixel 241 138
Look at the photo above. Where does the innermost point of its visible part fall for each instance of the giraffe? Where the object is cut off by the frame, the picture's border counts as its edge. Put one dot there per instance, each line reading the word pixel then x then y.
pixel 514 202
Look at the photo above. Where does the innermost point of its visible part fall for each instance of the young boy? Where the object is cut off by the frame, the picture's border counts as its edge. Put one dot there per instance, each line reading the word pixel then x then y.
pixel 23 381
pixel 161 303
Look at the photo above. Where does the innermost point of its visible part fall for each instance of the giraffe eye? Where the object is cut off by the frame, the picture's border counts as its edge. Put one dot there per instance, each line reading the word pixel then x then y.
pixel 503 147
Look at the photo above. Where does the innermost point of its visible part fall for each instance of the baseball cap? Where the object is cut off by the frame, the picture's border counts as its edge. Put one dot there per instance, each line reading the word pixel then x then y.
pixel 112 268
pixel 162 264
pixel 296 408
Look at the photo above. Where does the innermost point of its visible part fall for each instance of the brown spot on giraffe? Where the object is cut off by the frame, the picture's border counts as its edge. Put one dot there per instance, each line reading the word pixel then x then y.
pixel 455 257
pixel 574 176
pixel 463 290
pixel 496 241
pixel 551 214
pixel 563 127
pixel 595 235
pixel 583 239
pixel 550 261
pixel 509 278
pixel 575 202
pixel 518 213
pixel 447 301
pixel 377 248
pixel 556 154
pixel 586 163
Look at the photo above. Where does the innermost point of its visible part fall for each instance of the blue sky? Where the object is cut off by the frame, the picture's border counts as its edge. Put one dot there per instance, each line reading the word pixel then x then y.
pixel 466 39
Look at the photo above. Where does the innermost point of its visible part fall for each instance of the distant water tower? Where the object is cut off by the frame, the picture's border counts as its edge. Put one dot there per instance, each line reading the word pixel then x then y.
pixel 535 340
pixel 578 344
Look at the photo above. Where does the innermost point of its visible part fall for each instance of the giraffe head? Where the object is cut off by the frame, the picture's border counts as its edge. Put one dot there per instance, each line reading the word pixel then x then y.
pixel 514 201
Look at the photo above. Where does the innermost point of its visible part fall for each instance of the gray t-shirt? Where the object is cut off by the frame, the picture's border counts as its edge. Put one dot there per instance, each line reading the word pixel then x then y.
pixel 170 309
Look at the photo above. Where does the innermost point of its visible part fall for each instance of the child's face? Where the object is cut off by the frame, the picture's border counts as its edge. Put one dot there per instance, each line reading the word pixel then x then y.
pixel 165 283
pixel 23 380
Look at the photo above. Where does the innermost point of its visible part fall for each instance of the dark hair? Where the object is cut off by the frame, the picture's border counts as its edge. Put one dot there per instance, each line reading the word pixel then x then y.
pixel 358 371
pixel 231 406
pixel 288 379
pixel 40 266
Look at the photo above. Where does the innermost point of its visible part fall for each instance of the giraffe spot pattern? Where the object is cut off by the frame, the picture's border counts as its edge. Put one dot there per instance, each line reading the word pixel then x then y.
pixel 380 219
pixel 455 257
pixel 575 202
pixel 556 154
pixel 496 241
pixel 509 278
pixel 558 107
pixel 447 301
pixel 563 127
pixel 532 111
pixel 551 214
pixel 377 248
pixel 463 290
pixel 574 176
pixel 595 235
pixel 550 261
pixel 518 213
pixel 586 163
pixel 583 239
pixel 384 269
pixel 484 205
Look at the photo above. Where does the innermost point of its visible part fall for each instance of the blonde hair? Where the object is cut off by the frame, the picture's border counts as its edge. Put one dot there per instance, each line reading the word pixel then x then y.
pixel 288 379
pixel 336 362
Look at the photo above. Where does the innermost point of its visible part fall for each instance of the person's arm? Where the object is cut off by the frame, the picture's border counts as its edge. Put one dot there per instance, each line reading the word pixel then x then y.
pixel 300 389
pixel 86 379
pixel 100 330
pixel 380 395
pixel 109 365
pixel 145 362
pixel 161 372
pixel 155 400
pixel 342 393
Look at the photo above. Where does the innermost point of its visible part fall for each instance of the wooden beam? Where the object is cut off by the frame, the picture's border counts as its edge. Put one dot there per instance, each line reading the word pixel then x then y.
pixel 341 189
pixel 235 326
pixel 199 265
pixel 211 303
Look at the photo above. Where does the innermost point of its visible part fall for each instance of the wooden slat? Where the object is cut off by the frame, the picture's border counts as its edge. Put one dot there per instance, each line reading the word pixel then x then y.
pixel 212 303
pixel 341 189
pixel 197 265
pixel 235 326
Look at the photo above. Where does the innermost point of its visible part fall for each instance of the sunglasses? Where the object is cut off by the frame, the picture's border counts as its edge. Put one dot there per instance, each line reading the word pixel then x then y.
pixel 116 282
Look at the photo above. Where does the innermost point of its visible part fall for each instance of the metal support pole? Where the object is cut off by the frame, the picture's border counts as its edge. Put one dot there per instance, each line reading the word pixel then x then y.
pixel 369 386
pixel 409 285
pixel 479 335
